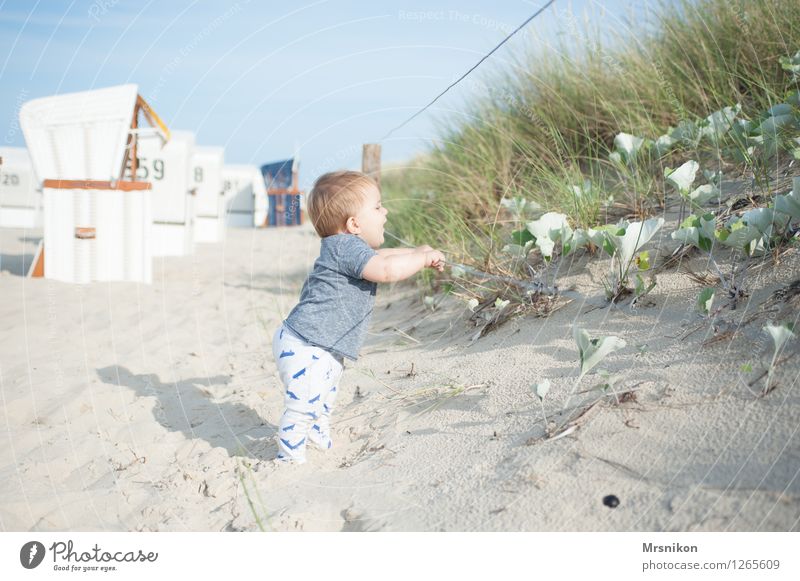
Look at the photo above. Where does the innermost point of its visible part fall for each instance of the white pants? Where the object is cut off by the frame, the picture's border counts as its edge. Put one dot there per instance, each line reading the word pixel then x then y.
pixel 310 377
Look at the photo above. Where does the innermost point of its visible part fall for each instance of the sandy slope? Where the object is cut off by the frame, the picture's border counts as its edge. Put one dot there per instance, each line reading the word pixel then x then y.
pixel 135 407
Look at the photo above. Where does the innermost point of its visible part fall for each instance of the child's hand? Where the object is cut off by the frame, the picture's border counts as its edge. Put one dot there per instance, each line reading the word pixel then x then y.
pixel 434 259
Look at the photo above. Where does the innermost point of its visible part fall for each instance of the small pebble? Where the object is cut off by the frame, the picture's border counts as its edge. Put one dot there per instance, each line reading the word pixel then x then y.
pixel 611 501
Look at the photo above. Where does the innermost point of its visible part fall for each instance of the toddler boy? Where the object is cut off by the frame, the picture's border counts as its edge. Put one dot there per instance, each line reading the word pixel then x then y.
pixel 330 321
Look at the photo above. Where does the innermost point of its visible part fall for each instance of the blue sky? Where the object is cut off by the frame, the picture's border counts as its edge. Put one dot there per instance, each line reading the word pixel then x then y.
pixel 265 79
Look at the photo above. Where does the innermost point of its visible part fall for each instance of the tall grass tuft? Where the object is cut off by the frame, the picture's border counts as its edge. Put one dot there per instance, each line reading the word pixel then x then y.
pixel 548 123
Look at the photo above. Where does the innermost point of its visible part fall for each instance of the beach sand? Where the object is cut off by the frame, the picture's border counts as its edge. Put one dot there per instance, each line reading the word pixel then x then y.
pixel 131 407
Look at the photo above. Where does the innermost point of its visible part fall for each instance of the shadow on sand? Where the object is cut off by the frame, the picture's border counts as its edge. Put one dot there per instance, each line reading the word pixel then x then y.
pixel 186 406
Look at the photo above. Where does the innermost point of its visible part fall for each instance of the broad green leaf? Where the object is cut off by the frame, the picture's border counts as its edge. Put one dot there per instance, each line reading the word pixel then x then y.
pixel 745 127
pixel 764 220
pixel 593 351
pixel 705 300
pixel 737 234
pixel 665 144
pixel 683 177
pixel 791 64
pixel 609 379
pixel 714 178
pixel 698 231
pixel 500 304
pixel 756 247
pixel 548 229
pixel 579 239
pixel 519 205
pixel 637 234
pixel 517 251
pixel 781 117
pixel 702 194
pixel 719 123
pixel 521 237
pixel 601 236
pixel 790 203
pixel 628 145
pixel 541 389
pixel 780 334
pixel 687 132
pixel 780 109
pixel 643 260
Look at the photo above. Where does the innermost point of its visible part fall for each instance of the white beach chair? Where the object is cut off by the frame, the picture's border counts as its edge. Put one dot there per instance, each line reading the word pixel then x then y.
pixel 20 195
pixel 209 204
pixel 169 168
pixel 96 226
pixel 245 195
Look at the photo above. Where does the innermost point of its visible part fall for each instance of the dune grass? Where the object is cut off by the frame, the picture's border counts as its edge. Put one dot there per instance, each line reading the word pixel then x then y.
pixel 548 123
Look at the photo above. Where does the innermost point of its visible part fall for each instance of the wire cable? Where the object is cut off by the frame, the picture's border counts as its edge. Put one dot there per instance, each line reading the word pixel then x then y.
pixel 475 66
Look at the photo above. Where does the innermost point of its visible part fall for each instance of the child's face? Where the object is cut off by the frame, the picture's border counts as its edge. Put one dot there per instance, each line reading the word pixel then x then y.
pixel 368 222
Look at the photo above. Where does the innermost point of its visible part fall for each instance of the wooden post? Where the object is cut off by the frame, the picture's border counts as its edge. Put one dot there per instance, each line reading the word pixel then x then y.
pixel 371 161
pixel 135 138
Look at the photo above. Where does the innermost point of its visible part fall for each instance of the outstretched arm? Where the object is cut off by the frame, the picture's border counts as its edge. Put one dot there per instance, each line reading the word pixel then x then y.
pixel 398 251
pixel 394 251
pixel 401 266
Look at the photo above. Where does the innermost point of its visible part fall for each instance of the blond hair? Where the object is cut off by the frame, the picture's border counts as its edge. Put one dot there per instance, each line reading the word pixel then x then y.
pixel 335 197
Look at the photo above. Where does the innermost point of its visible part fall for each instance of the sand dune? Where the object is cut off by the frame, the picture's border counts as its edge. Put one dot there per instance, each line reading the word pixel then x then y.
pixel 131 407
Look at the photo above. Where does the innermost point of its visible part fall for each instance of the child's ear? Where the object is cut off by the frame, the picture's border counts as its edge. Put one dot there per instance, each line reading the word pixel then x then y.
pixel 352 226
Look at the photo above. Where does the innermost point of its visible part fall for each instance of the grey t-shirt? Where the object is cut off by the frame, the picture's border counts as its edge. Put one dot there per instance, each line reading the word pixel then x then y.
pixel 336 303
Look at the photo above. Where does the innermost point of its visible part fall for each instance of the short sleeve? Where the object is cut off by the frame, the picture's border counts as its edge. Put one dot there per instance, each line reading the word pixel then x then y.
pixel 352 255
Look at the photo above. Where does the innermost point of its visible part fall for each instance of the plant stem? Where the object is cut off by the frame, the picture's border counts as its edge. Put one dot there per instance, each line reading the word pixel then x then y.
pixel 721 276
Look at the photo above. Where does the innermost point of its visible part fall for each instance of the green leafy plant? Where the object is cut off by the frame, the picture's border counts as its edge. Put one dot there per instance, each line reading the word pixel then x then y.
pixel 791 64
pixel 522 208
pixel 543 234
pixel 686 134
pixel 608 382
pixel 540 390
pixel 755 142
pixel 682 179
pixel 704 301
pixel 789 205
pixel 780 336
pixel 700 231
pixel 622 241
pixel 593 351
pixel 665 144
pixel 627 148
pixel 717 125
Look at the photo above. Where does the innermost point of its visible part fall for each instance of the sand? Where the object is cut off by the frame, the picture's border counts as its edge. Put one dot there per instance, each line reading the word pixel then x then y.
pixel 131 407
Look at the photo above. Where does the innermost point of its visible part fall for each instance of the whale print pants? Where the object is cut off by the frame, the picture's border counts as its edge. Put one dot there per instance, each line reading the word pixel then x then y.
pixel 310 377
